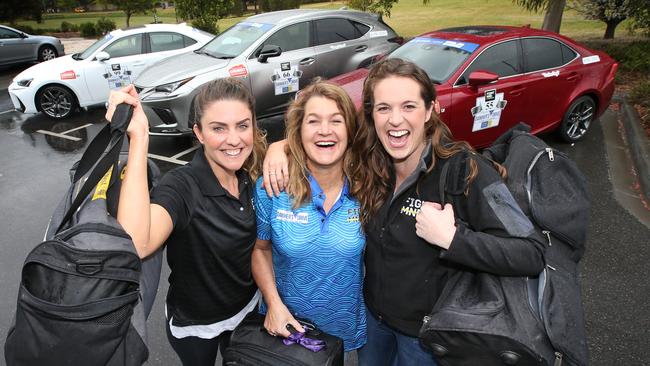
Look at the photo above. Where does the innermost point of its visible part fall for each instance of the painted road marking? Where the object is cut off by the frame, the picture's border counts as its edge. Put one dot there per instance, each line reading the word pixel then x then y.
pixel 76 128
pixel 59 135
pixel 169 160
pixel 185 152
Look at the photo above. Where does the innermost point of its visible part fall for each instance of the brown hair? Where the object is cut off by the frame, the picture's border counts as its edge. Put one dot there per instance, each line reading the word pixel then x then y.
pixel 373 178
pixel 298 186
pixel 233 89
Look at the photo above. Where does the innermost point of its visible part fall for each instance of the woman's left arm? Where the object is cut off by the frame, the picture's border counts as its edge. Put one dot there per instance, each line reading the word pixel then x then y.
pixel 497 237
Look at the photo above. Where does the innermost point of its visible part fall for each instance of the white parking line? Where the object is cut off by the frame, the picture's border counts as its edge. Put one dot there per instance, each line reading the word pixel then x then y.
pixel 3 112
pixel 185 152
pixel 169 160
pixel 76 128
pixel 59 135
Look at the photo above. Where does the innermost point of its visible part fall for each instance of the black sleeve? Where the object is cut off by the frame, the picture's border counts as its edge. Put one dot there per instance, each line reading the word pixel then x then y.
pixel 174 194
pixel 494 235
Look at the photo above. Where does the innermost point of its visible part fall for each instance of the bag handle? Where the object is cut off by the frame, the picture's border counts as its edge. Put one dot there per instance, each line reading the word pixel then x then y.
pixel 111 136
pixel 443 181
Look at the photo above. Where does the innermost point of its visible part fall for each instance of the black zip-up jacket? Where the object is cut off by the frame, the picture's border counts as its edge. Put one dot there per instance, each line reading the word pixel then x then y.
pixel 405 274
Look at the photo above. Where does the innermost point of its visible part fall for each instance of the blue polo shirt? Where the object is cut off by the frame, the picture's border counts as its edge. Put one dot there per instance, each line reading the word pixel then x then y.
pixel 317 260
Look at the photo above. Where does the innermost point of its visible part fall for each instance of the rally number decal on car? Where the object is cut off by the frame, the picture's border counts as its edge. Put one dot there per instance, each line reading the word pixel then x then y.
pixel 286 79
pixel 117 76
pixel 487 111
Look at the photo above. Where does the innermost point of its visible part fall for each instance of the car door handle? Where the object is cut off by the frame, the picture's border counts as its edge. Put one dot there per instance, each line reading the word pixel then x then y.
pixel 307 61
pixel 361 48
pixel 573 76
pixel 517 92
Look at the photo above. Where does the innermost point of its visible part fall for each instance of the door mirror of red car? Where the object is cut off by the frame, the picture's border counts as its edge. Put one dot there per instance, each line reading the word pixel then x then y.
pixel 478 78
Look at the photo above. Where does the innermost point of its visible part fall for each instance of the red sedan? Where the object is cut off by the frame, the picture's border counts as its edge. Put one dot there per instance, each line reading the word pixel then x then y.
pixel 489 78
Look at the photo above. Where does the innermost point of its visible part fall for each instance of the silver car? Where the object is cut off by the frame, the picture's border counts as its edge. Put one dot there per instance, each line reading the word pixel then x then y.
pixel 276 54
pixel 18 47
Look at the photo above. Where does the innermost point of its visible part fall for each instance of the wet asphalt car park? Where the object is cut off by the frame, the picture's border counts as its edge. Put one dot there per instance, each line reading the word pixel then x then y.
pixel 36 154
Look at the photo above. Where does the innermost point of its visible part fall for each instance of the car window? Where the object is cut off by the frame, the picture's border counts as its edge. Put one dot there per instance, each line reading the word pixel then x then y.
pixel 501 59
pixel 438 57
pixel 542 54
pixel 235 39
pixel 127 46
pixel 167 41
pixel 8 33
pixel 361 28
pixel 332 30
pixel 293 37
pixel 567 54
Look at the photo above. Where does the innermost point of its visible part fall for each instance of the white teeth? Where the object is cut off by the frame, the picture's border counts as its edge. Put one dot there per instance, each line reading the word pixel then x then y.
pixel 398 133
pixel 325 144
pixel 232 152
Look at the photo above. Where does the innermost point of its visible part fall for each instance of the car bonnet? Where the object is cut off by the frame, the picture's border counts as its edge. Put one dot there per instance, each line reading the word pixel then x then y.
pixel 177 68
pixel 51 69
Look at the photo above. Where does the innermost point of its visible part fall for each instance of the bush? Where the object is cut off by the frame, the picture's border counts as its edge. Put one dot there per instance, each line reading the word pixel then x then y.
pixel 273 5
pixel 104 26
pixel 208 24
pixel 640 92
pixel 69 27
pixel 631 56
pixel 88 30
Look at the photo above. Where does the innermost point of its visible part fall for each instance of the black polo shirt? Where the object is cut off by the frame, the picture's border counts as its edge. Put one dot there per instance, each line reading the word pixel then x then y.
pixel 209 249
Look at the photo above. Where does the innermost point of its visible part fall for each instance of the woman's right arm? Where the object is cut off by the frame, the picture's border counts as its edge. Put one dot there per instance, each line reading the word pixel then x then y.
pixel 277 314
pixel 148 225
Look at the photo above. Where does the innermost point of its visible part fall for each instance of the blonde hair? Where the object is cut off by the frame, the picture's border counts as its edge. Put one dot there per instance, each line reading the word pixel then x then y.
pixel 298 186
pixel 233 89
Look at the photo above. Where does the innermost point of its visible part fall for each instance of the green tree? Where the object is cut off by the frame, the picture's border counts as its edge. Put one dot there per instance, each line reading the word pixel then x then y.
pixel 130 7
pixel 611 12
pixel 553 11
pixel 203 13
pixel 12 10
pixel 381 7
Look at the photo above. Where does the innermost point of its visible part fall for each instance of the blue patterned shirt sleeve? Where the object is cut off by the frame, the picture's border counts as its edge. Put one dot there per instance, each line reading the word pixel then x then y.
pixel 263 209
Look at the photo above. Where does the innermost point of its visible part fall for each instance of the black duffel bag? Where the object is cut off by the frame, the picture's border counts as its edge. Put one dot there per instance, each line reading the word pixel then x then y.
pixel 251 345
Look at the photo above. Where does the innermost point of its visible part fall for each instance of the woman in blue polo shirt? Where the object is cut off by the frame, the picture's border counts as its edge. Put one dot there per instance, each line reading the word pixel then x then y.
pixel 308 257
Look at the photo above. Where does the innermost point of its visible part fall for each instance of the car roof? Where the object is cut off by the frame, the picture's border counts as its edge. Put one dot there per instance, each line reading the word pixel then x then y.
pixel 289 16
pixel 152 27
pixel 484 34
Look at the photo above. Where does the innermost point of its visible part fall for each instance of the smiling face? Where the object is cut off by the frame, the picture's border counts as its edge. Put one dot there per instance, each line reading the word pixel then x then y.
pixel 400 114
pixel 226 132
pixel 323 133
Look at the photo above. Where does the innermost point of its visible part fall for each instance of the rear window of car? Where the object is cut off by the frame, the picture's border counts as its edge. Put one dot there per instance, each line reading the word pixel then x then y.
pixel 545 53
pixel 167 41
pixel 236 39
pixel 438 57
pixel 332 30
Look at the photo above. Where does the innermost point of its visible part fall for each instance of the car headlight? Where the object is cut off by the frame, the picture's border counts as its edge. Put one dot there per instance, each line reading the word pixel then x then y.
pixel 24 82
pixel 168 88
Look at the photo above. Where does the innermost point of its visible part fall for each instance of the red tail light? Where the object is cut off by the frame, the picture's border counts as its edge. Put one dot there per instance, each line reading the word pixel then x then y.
pixel 612 71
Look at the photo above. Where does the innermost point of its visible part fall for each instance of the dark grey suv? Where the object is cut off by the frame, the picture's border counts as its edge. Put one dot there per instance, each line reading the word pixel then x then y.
pixel 276 54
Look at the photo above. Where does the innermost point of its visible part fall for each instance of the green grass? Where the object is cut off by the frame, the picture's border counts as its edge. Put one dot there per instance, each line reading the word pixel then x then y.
pixel 409 17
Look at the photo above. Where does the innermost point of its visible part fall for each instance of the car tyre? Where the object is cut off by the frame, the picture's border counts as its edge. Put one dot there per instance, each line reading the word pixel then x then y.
pixel 577 119
pixel 56 101
pixel 46 53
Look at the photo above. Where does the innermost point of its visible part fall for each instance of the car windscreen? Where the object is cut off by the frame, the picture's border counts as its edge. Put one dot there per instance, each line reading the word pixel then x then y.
pixel 235 40
pixel 438 57
pixel 93 47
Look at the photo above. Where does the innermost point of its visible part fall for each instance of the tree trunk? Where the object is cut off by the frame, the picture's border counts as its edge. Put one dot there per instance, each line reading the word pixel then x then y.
pixel 128 18
pixel 611 28
pixel 553 16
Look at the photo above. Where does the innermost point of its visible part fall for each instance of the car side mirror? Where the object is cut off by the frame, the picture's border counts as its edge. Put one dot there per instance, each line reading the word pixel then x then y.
pixel 23 35
pixel 269 50
pixel 478 78
pixel 102 56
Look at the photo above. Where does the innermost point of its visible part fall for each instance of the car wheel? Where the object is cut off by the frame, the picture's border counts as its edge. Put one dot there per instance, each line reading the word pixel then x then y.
pixel 577 119
pixel 56 101
pixel 46 53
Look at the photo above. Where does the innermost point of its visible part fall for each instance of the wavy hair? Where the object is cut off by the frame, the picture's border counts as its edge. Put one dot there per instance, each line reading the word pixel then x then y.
pixel 298 186
pixel 371 187
pixel 233 89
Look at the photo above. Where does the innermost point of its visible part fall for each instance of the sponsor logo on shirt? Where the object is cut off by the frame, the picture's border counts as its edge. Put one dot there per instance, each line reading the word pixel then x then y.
pixel 290 216
pixel 353 215
pixel 411 207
